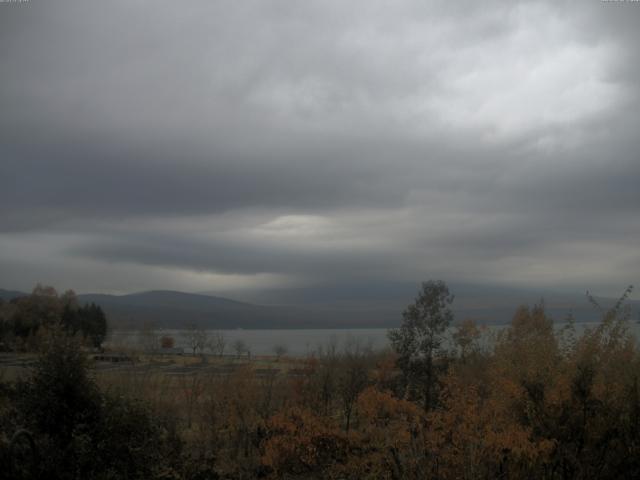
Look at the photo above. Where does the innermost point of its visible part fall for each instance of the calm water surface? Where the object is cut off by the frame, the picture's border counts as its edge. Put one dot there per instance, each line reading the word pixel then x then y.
pixel 307 341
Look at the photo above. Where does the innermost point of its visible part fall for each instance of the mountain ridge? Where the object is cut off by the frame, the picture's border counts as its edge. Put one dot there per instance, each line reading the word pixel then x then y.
pixel 175 309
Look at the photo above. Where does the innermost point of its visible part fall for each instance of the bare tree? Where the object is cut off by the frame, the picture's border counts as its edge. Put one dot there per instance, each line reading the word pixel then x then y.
pixel 239 347
pixel 196 338
pixel 217 343
pixel 354 376
pixel 328 372
pixel 280 350
pixel 149 337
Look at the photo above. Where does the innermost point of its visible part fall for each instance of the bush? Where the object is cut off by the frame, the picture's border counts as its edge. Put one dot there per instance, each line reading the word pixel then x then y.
pixel 79 432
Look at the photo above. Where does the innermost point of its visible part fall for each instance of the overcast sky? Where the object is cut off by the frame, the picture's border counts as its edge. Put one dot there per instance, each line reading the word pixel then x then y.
pixel 241 146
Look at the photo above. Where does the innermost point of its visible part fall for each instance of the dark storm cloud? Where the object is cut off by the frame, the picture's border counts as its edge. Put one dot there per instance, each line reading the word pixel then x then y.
pixel 231 256
pixel 82 182
pixel 320 142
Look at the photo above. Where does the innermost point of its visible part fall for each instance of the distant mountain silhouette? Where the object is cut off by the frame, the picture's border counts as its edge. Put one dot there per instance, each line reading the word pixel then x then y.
pixel 9 294
pixel 172 309
pixel 178 309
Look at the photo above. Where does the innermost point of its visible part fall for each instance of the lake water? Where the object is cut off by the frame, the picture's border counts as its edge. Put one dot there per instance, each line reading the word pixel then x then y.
pixel 301 342
pixel 298 342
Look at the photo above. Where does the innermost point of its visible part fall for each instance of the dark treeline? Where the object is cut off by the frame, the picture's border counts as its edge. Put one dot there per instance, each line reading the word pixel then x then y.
pixel 22 318
pixel 535 402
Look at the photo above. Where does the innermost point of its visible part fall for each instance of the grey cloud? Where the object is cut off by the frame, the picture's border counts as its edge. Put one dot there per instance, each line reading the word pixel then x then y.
pixel 86 183
pixel 437 136
pixel 233 256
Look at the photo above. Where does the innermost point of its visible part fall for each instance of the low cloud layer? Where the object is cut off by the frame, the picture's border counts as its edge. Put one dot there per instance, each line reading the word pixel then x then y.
pixel 254 146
